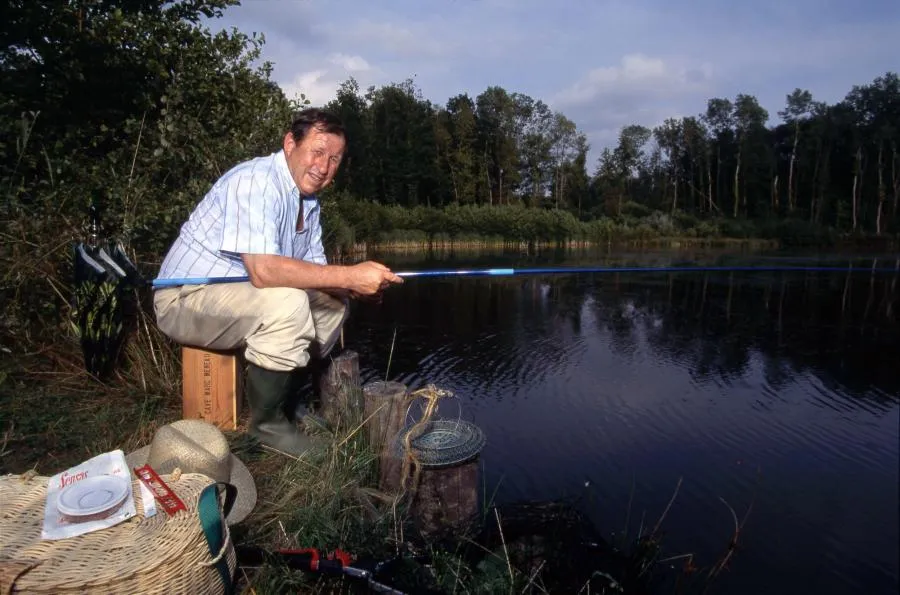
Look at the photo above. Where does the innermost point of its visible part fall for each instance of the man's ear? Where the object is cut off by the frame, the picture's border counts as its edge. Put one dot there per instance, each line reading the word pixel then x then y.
pixel 288 143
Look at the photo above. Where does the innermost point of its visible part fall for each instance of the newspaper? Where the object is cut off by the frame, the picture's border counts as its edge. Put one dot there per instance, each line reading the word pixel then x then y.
pixel 59 526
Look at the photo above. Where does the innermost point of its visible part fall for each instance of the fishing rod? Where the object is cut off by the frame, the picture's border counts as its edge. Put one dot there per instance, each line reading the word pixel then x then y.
pixel 506 272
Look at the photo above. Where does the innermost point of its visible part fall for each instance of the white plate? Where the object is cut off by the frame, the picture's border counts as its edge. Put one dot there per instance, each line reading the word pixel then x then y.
pixel 93 495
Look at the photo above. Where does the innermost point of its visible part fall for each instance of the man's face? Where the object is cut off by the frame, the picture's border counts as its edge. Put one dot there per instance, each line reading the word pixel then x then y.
pixel 314 161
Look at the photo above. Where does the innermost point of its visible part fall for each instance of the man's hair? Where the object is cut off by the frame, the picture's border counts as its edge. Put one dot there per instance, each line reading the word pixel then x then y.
pixel 319 119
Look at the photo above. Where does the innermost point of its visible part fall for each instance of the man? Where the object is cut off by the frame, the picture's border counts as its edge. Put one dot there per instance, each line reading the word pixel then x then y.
pixel 261 220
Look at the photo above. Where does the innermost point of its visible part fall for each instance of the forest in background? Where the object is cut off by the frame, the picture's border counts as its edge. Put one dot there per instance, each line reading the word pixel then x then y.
pixel 139 105
pixel 835 165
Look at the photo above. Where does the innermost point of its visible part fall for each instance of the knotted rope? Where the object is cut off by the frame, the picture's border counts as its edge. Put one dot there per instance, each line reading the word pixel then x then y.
pixel 411 463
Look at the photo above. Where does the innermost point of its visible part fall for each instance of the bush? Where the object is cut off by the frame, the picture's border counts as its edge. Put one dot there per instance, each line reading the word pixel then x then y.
pixel 737 228
pixel 635 209
pixel 797 232
pixel 661 223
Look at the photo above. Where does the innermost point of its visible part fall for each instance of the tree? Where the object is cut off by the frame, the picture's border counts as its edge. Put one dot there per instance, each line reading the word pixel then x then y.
pixel 115 95
pixel 670 137
pixel 534 147
pixel 719 117
pixel 695 143
pixel 462 160
pixel 575 172
pixel 630 155
pixel 609 182
pixel 565 142
pixel 749 120
pixel 799 108
pixel 355 174
pixel 495 115
pixel 877 107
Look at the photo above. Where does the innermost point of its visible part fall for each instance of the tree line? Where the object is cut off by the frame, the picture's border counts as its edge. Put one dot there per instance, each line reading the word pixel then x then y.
pixel 835 165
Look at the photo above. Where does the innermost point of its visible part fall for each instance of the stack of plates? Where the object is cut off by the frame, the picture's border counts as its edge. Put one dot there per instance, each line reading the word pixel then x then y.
pixel 93 496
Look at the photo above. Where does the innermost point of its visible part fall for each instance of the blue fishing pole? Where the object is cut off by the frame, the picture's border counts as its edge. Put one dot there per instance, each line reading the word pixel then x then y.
pixel 506 272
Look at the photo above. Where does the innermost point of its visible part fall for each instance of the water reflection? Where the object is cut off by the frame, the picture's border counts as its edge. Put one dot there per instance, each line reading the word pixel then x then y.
pixel 780 384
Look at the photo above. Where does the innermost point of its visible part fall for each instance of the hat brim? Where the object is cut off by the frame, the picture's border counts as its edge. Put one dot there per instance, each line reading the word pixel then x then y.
pixel 241 479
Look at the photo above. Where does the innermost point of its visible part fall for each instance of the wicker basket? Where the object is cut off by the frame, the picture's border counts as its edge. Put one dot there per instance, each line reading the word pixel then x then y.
pixel 160 554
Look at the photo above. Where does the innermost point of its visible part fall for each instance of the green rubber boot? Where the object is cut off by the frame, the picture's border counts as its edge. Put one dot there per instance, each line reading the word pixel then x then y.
pixel 295 405
pixel 300 406
pixel 267 393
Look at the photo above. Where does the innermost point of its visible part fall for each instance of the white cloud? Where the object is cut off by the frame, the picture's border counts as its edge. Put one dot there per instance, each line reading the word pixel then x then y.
pixel 636 79
pixel 350 63
pixel 393 39
pixel 640 89
pixel 320 85
pixel 316 85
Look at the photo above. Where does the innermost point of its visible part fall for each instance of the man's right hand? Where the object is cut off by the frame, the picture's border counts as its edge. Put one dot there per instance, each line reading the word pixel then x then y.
pixel 370 277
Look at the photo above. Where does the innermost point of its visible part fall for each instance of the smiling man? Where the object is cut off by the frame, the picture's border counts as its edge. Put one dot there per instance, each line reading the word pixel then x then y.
pixel 261 220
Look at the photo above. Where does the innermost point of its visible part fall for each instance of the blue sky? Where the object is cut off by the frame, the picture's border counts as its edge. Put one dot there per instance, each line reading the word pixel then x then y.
pixel 603 63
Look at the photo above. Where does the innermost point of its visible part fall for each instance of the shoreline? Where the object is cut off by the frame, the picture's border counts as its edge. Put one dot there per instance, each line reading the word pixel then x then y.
pixel 361 250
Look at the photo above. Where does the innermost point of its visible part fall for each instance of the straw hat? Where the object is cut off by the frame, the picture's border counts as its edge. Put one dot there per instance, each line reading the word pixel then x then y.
pixel 197 446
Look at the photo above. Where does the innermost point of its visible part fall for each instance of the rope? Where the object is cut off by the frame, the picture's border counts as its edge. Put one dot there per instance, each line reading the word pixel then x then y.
pixel 432 394
pixel 222 552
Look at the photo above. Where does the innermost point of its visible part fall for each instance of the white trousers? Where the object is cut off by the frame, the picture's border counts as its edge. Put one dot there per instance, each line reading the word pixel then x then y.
pixel 279 328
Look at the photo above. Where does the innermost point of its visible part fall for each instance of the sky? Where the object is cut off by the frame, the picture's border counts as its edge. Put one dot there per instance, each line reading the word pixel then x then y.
pixel 604 64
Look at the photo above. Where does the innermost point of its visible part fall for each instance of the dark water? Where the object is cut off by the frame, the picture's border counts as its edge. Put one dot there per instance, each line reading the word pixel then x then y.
pixel 780 389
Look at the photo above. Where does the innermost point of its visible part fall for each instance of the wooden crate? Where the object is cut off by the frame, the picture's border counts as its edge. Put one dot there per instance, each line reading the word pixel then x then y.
pixel 211 386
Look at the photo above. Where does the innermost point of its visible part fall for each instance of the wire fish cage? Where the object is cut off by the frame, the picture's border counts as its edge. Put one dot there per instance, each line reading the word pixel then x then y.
pixel 441 443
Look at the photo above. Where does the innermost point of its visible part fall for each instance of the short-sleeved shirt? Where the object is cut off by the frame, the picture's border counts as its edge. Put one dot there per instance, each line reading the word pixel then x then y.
pixel 253 209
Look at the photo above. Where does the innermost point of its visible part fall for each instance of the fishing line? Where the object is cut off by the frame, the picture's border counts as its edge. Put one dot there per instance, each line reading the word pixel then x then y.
pixel 507 272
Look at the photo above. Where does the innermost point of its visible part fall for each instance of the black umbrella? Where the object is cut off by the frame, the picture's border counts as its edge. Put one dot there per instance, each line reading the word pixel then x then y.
pixel 104 296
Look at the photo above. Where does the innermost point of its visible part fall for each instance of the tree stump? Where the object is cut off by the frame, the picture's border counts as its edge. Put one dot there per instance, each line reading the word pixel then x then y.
pixel 446 499
pixel 340 388
pixel 385 407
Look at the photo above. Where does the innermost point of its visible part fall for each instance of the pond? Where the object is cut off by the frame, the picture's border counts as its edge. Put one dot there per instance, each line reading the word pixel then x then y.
pixel 776 389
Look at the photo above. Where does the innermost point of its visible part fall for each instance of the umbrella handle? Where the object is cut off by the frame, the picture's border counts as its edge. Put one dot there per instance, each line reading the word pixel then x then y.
pixel 94 225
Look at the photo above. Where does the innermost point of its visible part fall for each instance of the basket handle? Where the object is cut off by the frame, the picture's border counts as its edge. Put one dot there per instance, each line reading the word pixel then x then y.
pixel 215 529
pixel 230 497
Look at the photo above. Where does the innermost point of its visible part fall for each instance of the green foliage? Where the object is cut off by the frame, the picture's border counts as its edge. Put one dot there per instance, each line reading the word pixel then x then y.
pixel 128 104
pixel 518 224
pixel 141 110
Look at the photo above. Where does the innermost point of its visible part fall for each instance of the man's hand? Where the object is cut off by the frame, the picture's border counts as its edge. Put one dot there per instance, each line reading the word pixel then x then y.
pixel 369 277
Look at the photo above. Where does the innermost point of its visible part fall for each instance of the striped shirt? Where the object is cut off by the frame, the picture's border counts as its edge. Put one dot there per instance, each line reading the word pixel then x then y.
pixel 251 209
